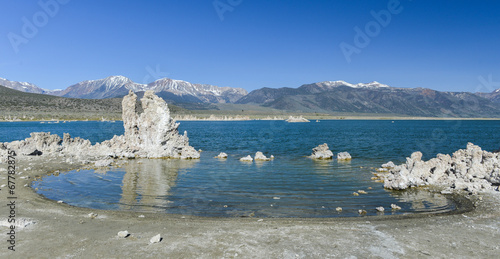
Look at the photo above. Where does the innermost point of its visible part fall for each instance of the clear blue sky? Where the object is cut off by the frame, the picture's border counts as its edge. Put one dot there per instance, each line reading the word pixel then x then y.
pixel 443 45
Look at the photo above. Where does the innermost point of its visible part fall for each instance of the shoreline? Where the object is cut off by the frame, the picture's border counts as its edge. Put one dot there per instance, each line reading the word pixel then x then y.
pixel 312 119
pixel 205 237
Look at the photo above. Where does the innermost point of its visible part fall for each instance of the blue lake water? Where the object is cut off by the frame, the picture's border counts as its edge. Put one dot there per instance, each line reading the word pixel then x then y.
pixel 290 186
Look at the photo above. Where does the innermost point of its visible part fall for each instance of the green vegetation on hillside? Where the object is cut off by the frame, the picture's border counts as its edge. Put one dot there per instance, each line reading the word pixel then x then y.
pixel 17 105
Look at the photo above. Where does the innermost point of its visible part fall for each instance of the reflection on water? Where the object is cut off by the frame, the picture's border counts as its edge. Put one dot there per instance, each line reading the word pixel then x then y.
pixel 284 187
pixel 147 183
pixel 421 200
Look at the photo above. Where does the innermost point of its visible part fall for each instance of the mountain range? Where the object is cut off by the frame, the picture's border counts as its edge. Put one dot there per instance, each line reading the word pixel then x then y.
pixel 324 97
pixel 177 91
pixel 339 96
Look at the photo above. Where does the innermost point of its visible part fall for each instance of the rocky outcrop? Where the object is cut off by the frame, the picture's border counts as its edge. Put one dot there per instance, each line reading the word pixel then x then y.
pixel 151 133
pixel 470 169
pixel 344 156
pixel 321 152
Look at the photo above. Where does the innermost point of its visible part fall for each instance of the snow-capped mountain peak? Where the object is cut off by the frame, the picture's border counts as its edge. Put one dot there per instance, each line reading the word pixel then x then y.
pixel 338 83
pixel 373 84
pixel 176 90
pixel 497 91
pixel 203 92
pixel 23 86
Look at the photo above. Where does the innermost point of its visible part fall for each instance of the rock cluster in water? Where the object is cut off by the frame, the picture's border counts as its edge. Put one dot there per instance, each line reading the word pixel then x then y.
pixel 470 169
pixel 150 134
pixel 322 152
pixel 259 156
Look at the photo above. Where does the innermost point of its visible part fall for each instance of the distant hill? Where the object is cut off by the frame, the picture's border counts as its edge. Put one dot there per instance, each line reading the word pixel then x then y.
pixel 338 96
pixel 493 96
pixel 23 105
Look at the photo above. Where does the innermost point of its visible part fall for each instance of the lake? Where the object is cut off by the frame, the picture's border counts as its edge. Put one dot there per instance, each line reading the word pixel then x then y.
pixel 291 185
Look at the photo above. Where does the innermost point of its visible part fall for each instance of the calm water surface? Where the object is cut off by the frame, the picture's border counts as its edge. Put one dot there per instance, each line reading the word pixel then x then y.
pixel 290 186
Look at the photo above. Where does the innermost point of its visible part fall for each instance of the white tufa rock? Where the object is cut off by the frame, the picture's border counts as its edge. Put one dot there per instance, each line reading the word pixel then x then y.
pixel 150 134
pixel 123 234
pixel 395 207
pixel 259 156
pixel 92 215
pixel 155 239
pixel 344 156
pixel 470 169
pixel 246 159
pixel 222 155
pixel 321 152
pixel 380 209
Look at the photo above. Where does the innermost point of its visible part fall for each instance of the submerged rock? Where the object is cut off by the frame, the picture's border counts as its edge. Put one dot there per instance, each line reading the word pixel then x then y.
pixel 344 156
pixel 322 152
pixel 470 169
pixel 149 134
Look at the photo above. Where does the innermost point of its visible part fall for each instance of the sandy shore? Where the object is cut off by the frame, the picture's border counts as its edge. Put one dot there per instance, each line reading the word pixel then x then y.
pixel 47 229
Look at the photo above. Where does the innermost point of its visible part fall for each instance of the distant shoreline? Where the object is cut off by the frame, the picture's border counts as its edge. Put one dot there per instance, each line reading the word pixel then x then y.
pixel 264 118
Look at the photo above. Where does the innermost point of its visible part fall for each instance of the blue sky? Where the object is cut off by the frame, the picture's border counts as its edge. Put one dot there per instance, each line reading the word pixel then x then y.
pixel 442 45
